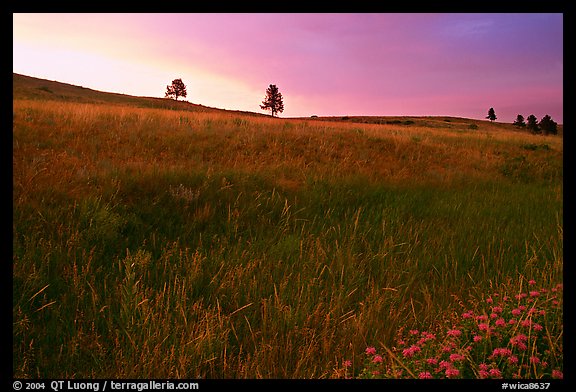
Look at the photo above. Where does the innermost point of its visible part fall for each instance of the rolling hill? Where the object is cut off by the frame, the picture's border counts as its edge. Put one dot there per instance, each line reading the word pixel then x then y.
pixel 163 239
pixel 27 87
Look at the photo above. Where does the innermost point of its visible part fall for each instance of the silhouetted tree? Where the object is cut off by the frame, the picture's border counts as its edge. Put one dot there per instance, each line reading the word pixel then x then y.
pixel 547 125
pixel 176 89
pixel 273 100
pixel 532 124
pixel 491 114
pixel 519 121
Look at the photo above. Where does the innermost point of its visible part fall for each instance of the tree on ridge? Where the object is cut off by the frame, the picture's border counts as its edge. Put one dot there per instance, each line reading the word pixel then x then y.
pixel 547 125
pixel 532 124
pixel 491 114
pixel 519 121
pixel 176 89
pixel 273 100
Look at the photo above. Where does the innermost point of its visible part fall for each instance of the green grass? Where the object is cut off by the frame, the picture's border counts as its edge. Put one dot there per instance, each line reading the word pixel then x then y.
pixel 169 244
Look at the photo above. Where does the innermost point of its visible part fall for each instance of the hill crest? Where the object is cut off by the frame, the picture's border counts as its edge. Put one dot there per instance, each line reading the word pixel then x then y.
pixel 28 87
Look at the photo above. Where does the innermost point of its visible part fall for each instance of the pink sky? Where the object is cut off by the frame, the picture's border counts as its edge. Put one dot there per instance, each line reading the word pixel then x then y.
pixel 323 64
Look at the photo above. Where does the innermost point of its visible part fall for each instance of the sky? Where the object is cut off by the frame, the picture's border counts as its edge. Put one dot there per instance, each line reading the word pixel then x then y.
pixel 339 64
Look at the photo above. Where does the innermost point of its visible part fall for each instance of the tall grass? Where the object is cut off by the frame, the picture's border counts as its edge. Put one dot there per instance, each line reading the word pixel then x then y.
pixel 162 243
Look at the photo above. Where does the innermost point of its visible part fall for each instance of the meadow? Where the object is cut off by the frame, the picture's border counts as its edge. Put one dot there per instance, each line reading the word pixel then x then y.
pixel 170 243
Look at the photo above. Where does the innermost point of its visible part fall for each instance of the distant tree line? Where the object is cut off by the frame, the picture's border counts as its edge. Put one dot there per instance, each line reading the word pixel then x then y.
pixel 546 126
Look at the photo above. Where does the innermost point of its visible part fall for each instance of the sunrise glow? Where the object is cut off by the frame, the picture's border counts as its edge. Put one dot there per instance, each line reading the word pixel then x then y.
pixel 324 64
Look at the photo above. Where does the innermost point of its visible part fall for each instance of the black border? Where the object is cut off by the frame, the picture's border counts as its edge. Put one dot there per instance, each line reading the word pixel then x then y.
pixel 503 6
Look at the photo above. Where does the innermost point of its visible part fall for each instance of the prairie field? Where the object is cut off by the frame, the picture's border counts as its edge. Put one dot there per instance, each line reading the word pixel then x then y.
pixel 169 243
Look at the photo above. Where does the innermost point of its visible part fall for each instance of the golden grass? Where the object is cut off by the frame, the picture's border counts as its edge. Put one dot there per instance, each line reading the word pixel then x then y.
pixel 277 276
pixel 71 144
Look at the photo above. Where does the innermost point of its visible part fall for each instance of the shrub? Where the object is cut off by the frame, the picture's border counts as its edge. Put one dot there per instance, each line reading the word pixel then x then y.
pixel 44 88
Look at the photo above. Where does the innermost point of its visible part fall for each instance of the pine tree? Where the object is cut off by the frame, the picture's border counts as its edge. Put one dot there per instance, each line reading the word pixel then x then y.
pixel 547 125
pixel 532 124
pixel 491 114
pixel 273 100
pixel 519 121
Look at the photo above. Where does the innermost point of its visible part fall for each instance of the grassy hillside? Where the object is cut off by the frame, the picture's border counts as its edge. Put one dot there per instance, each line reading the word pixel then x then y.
pixel 155 242
pixel 27 87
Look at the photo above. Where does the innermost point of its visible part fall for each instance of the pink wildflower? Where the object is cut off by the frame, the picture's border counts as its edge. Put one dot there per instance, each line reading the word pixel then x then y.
pixel 501 352
pixel 370 351
pixel 537 327
pixel 452 372
pixel 558 287
pixel 500 322
pixel 483 374
pixel 482 318
pixel 521 337
pixel 512 359
pixel 531 282
pixel 347 363
pixel 497 309
pixel 495 373
pixel 489 300
pixel 467 315
pixel 456 357
pixel 477 338
pixel 535 360
pixel 493 315
pixel 445 364
pixel 377 359
pixel 557 374
pixel 526 323
pixel 483 327
pixel 425 375
pixel 428 335
pixel 431 361
pixel 446 349
pixel 414 332
pixel 483 366
pixel 518 341
pixel 516 312
pixel 410 351
pixel 454 332
pixel 534 293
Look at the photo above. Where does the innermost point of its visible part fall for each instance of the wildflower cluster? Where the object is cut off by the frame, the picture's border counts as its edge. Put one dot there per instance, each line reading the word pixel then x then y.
pixel 499 336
